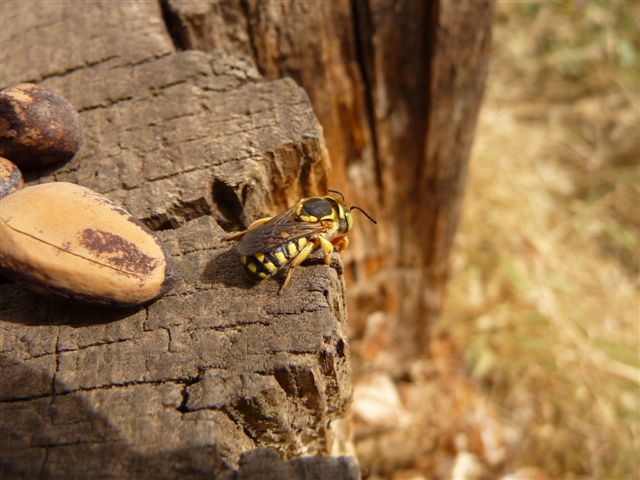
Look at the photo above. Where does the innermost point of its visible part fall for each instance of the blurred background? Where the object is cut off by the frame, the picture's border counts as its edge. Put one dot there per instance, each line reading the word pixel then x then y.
pixel 543 298
pixel 542 309
pixel 544 294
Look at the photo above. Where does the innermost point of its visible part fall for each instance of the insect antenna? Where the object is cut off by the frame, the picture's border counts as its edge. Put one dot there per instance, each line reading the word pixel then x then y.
pixel 339 193
pixel 365 213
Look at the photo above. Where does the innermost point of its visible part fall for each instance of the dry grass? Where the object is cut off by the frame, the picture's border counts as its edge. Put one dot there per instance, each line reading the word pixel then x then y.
pixel 545 290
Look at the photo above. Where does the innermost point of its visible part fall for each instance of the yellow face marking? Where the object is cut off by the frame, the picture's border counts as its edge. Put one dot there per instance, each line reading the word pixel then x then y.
pixel 252 267
pixel 262 275
pixel 281 258
pixel 244 259
pixel 270 266
pixel 302 242
pixel 260 257
pixel 293 250
pixel 340 211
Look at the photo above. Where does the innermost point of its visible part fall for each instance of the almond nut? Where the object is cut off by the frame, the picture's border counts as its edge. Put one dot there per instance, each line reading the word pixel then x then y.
pixel 37 126
pixel 10 177
pixel 70 241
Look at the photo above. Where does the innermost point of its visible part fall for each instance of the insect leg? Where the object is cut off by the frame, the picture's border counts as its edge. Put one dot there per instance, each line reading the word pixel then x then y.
pixel 239 235
pixel 327 248
pixel 341 244
pixel 297 260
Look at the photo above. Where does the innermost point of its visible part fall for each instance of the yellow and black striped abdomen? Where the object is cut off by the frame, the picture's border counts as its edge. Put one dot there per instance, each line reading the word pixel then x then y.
pixel 262 265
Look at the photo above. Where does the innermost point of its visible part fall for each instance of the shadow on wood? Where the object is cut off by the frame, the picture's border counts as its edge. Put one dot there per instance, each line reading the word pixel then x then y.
pixel 65 436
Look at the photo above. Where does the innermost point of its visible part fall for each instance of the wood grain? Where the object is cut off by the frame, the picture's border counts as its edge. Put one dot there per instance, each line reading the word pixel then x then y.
pixel 194 144
pixel 396 85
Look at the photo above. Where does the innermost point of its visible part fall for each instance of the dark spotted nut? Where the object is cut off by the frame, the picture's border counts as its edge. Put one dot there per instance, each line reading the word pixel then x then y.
pixel 10 177
pixel 67 240
pixel 37 126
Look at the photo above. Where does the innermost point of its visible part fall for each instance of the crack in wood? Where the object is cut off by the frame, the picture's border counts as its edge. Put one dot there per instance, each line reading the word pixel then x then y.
pixel 44 462
pixel 231 217
pixel 244 5
pixel 173 26
pixel 263 146
pixel 363 32
pixel 178 214
pixel 110 386
pixel 66 444
pixel 26 399
pixel 57 360
pixel 238 421
pixel 187 252
pixel 230 327
pixel 178 173
pixel 68 71
pixel 430 39
pixel 184 392
pixel 146 319
pixel 107 104
pixel 79 348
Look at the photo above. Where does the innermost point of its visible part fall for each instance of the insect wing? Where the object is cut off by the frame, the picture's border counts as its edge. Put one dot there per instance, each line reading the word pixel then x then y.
pixel 277 231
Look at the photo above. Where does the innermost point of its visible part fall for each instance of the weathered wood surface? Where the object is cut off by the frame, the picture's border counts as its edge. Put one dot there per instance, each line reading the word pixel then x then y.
pixel 396 85
pixel 195 144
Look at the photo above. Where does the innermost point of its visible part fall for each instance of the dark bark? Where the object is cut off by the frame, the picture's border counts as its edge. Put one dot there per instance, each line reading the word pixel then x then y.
pixel 189 124
pixel 194 144
pixel 396 85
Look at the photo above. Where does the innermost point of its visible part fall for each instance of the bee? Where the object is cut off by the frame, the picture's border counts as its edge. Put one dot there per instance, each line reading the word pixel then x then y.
pixel 287 239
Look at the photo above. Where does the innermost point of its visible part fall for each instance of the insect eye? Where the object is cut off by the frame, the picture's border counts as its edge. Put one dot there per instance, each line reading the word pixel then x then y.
pixel 349 220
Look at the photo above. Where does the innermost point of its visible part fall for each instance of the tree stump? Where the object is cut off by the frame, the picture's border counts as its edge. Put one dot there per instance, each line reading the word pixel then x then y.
pixel 396 85
pixel 190 125
pixel 195 144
